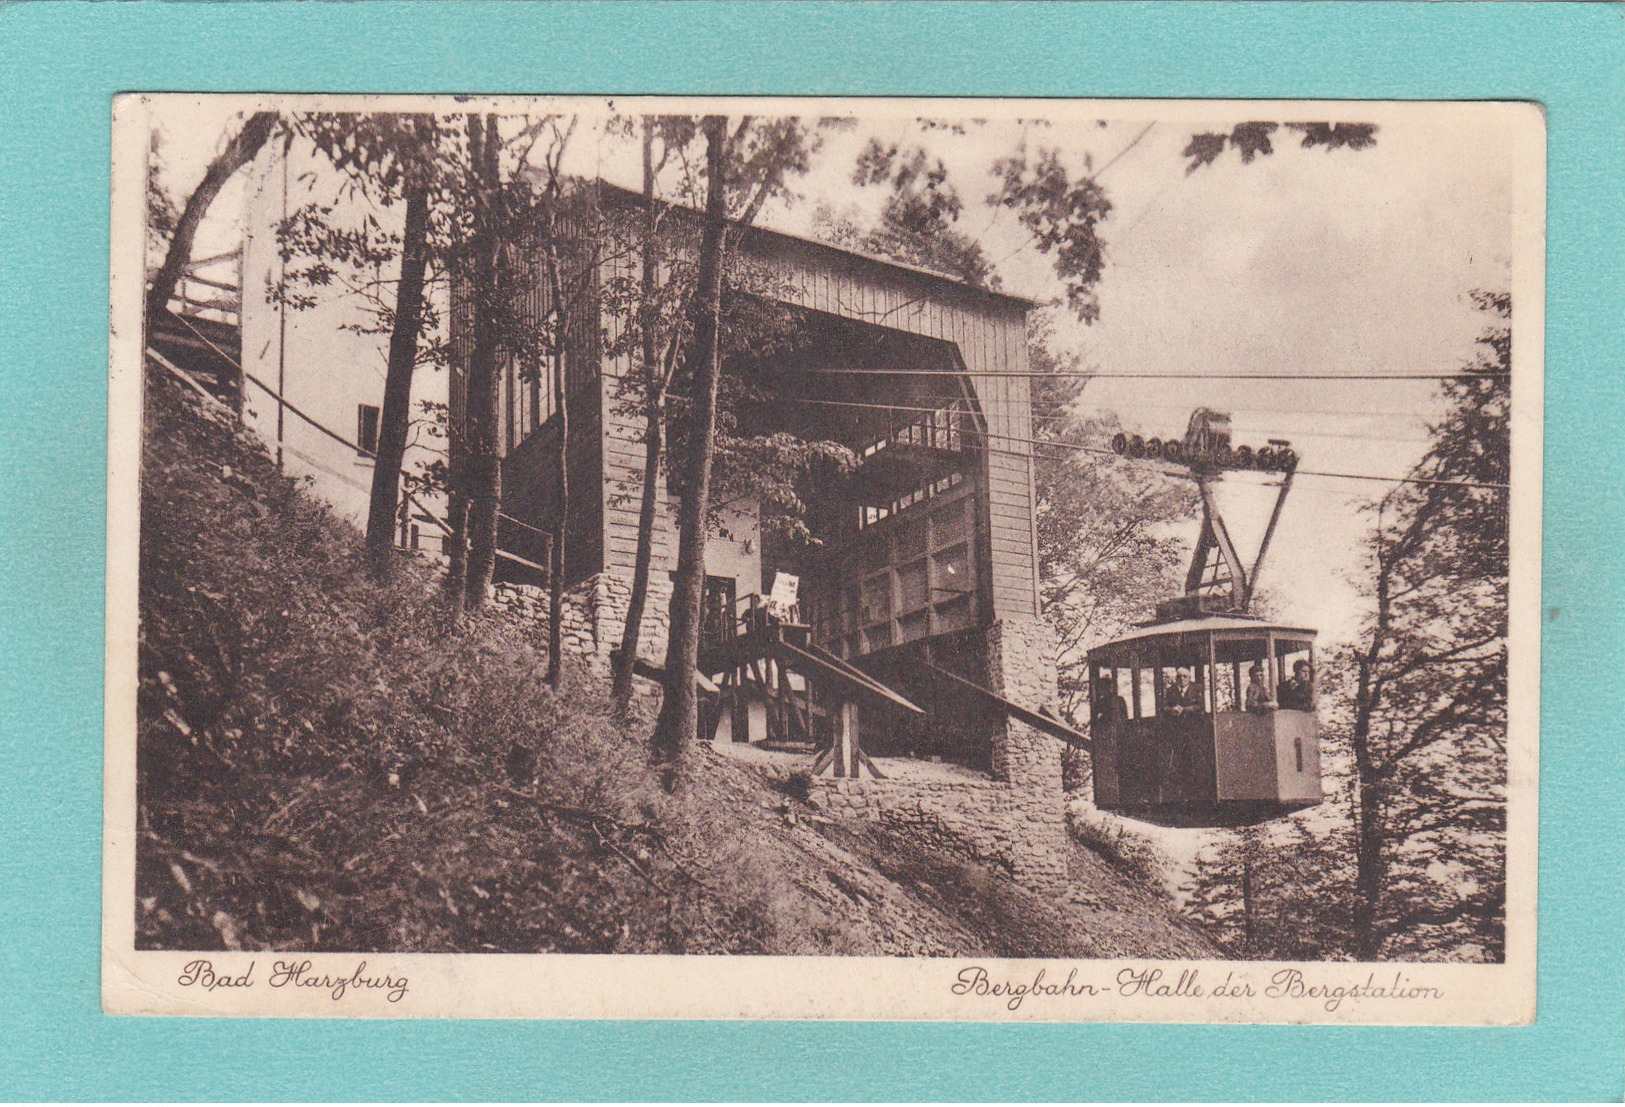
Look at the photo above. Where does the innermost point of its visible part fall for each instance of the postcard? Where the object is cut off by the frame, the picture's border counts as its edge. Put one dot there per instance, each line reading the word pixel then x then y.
pixel 942 559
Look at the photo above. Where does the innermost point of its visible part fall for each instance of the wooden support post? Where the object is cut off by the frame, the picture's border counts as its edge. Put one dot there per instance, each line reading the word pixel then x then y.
pixel 777 720
pixel 846 739
pixel 802 710
pixel 719 705
pixel 874 770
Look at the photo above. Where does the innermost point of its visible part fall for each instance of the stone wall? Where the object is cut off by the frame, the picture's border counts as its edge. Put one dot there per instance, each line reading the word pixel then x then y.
pixel 1021 668
pixel 612 592
pixel 530 602
pixel 595 614
pixel 991 821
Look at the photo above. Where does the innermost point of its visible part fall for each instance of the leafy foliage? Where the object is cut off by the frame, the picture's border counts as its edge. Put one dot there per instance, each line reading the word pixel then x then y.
pixel 162 212
pixel 1063 214
pixel 328 763
pixel 772 467
pixel 1253 140
pixel 909 232
pixel 1106 548
pixel 1129 853
pixel 1429 729
pixel 315 776
pixel 1408 858
pixel 917 224
pixel 1277 892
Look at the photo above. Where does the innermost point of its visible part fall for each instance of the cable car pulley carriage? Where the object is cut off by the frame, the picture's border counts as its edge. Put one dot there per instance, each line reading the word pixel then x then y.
pixel 1206 716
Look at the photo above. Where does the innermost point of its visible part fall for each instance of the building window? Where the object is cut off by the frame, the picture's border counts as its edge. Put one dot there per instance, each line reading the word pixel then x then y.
pixel 366 428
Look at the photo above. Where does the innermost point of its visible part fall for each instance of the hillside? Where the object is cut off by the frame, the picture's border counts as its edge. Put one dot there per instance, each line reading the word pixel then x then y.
pixel 328 764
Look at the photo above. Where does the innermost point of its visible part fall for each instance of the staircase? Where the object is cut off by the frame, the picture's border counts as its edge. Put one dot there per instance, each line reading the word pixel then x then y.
pixel 201 332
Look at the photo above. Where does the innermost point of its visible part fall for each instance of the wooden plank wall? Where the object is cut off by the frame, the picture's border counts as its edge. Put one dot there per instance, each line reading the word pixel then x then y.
pixel 530 490
pixel 530 463
pixel 990 333
pixel 622 451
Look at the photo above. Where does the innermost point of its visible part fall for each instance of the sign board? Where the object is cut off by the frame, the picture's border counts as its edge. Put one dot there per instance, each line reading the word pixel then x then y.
pixel 786 591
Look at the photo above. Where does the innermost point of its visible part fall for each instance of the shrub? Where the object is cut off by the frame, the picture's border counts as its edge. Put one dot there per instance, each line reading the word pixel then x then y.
pixel 1121 848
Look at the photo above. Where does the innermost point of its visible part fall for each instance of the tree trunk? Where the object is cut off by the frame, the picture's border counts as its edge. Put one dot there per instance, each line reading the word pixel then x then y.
pixel 1368 839
pixel 484 478
pixel 1368 866
pixel 561 519
pixel 237 154
pixel 654 413
pixel 456 551
pixel 679 709
pixel 396 416
pixel 483 481
pixel 653 441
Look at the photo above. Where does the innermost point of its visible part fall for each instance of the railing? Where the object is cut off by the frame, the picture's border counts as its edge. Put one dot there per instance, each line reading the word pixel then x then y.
pixel 942 429
pixel 753 612
pixel 187 301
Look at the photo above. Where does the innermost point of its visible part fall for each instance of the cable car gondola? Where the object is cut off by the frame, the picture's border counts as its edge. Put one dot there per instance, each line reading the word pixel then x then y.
pixel 1206 716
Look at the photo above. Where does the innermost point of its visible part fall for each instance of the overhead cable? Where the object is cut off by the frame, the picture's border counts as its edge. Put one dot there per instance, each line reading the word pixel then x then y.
pixel 1079 448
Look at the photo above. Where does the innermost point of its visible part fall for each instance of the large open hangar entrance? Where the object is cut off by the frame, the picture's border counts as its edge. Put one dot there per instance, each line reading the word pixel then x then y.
pixel 896 570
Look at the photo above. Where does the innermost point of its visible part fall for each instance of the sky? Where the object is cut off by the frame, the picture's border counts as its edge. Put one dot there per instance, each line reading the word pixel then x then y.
pixel 1303 262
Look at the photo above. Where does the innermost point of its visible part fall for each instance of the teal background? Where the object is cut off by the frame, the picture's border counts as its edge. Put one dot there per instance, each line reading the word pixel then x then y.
pixel 60 65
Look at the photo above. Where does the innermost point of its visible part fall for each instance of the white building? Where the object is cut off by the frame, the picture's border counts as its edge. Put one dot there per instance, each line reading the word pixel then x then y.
pixel 328 372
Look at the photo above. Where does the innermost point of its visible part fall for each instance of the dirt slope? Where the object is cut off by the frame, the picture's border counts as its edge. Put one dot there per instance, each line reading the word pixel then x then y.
pixel 330 764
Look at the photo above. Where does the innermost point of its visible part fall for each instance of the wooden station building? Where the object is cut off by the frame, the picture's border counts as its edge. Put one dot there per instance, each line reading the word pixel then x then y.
pixel 924 567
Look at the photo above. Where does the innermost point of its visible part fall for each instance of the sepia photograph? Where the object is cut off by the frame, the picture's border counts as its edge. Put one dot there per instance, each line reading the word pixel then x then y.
pixel 824 558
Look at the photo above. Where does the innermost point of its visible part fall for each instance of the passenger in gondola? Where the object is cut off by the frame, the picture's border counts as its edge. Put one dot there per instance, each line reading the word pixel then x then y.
pixel 1108 707
pixel 1185 697
pixel 1258 691
pixel 1298 693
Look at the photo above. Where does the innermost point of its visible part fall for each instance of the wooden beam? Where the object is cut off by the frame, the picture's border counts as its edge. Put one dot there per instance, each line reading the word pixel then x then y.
pixel 846 739
pixel 828 665
pixel 1053 727
pixel 651 671
pixel 874 770
pixel 515 558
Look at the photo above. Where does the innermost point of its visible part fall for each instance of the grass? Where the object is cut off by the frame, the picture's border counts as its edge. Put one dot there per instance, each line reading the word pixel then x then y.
pixel 330 764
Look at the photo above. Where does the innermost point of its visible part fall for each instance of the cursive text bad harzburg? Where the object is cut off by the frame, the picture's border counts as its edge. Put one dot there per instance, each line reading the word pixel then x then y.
pixel 202 975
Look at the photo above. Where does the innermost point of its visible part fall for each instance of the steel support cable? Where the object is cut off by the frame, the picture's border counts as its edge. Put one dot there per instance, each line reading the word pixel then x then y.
pixel 900 407
pixel 332 434
pixel 1118 410
pixel 1050 444
pixel 1040 374
pixel 428 513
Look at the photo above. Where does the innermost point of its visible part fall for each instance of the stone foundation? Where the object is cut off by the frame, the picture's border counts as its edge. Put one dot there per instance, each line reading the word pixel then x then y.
pixel 990 821
pixel 611 591
pixel 1021 668
pixel 595 614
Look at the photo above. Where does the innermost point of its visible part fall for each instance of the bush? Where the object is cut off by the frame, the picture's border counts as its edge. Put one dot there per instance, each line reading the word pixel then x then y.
pixel 329 763
pixel 1121 848
pixel 798 785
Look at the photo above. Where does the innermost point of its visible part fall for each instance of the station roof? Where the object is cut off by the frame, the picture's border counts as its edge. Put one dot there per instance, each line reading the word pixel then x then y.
pixel 1204 625
pixel 1026 303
